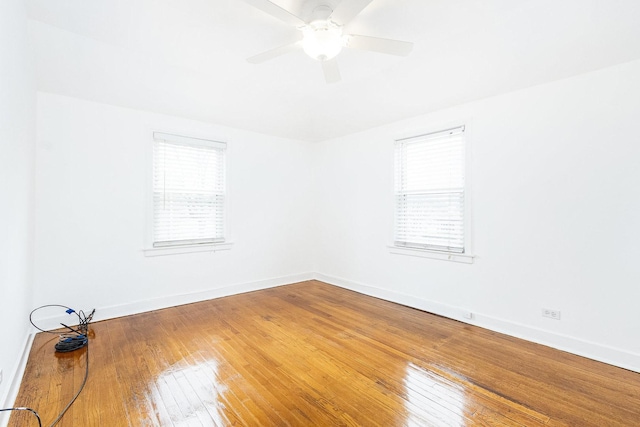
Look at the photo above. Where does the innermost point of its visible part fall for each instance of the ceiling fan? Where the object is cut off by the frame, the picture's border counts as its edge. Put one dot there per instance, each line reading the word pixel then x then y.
pixel 323 37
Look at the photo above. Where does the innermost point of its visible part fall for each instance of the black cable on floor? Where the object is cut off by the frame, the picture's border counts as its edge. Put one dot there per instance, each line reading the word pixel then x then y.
pixel 25 409
pixel 84 381
pixel 76 338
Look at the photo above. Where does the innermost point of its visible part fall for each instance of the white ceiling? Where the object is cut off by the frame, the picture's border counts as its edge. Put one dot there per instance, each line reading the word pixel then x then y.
pixel 187 57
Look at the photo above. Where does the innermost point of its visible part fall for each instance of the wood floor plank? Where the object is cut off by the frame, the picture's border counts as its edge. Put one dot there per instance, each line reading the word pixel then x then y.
pixel 311 354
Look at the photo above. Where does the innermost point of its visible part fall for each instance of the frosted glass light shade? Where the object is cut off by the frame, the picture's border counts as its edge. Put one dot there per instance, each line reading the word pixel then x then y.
pixel 322 43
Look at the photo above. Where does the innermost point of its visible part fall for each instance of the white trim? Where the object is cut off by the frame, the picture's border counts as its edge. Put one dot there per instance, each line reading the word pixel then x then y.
pixel 468 190
pixel 110 312
pixel 451 131
pixel 186 140
pixel 591 350
pixel 11 393
pixel 425 253
pixel 187 249
pixel 147 238
pixel 228 196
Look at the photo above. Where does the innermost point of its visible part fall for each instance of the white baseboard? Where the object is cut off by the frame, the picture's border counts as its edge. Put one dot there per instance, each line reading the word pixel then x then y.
pixel 110 312
pixel 610 355
pixel 9 398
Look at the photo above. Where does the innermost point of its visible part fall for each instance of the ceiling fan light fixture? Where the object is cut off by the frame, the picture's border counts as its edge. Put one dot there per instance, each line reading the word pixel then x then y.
pixel 322 32
pixel 323 40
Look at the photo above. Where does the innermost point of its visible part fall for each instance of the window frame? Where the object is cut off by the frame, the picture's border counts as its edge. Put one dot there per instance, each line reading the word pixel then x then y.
pixel 149 249
pixel 468 256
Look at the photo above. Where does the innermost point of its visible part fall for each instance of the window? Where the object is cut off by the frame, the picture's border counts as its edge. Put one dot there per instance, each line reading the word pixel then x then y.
pixel 188 191
pixel 430 192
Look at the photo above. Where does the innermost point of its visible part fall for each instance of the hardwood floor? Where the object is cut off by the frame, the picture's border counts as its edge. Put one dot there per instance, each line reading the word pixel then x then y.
pixel 310 354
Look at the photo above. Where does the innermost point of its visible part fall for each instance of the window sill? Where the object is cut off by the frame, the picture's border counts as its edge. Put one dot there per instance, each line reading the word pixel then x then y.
pixel 187 249
pixel 423 253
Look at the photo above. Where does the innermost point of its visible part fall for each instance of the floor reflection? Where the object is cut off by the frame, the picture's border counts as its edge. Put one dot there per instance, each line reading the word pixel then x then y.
pixel 190 396
pixel 432 399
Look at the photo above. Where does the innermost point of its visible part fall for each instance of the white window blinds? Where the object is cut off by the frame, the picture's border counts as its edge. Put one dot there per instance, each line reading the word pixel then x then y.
pixel 188 191
pixel 429 191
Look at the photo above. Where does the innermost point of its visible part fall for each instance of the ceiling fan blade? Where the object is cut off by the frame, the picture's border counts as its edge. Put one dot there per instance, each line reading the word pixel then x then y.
pixel 331 71
pixel 273 53
pixel 276 11
pixel 347 10
pixel 376 44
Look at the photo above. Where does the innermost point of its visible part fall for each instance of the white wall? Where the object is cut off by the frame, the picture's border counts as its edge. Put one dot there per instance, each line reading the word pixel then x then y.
pixel 17 142
pixel 90 212
pixel 555 213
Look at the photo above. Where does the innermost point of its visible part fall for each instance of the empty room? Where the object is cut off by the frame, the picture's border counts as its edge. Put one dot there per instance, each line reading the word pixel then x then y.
pixel 319 212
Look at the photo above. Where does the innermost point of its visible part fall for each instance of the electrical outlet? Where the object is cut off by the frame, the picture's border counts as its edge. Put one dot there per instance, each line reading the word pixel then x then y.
pixel 551 314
